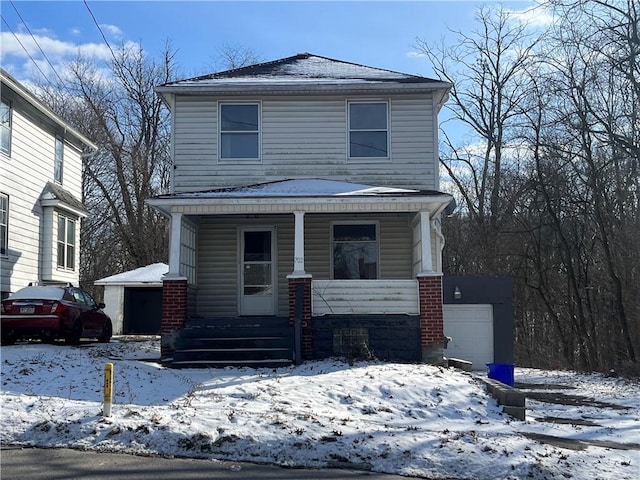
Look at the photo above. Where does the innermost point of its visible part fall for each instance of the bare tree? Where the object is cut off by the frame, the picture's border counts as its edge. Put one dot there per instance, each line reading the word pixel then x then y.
pixel 120 111
pixel 549 176
pixel 488 71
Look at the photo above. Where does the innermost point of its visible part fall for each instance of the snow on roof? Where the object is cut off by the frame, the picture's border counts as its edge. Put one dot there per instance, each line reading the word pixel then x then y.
pixel 303 68
pixel 150 274
pixel 307 187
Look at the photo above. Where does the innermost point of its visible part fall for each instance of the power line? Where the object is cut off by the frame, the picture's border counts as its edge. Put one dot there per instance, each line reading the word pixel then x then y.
pixel 36 42
pixel 100 29
pixel 26 51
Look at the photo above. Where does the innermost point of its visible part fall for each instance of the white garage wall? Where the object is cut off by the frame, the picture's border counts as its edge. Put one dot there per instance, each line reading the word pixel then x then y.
pixel 114 305
pixel 471 330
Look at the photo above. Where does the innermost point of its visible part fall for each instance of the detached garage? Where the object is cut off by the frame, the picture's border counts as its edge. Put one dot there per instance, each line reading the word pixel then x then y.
pixel 134 300
pixel 478 317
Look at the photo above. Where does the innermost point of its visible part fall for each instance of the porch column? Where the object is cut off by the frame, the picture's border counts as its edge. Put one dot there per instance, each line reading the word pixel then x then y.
pixel 300 309
pixel 174 312
pixel 431 318
pixel 430 298
pixel 425 242
pixel 174 244
pixel 298 252
pixel 174 293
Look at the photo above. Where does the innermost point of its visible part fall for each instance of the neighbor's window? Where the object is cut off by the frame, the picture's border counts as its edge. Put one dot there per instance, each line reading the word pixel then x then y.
pixel 5 127
pixel 355 251
pixel 368 129
pixel 4 224
pixel 66 242
pixel 59 160
pixel 239 131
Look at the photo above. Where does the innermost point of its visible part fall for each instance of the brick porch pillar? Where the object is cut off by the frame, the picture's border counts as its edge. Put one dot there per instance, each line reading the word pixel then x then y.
pixel 305 281
pixel 174 313
pixel 431 319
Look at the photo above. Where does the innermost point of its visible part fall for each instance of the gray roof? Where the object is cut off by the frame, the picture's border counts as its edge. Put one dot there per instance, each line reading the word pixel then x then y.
pixel 306 66
pixel 302 71
pixel 56 192
pixel 303 188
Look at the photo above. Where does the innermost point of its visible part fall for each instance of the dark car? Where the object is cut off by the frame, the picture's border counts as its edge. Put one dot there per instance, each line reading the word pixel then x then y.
pixel 51 313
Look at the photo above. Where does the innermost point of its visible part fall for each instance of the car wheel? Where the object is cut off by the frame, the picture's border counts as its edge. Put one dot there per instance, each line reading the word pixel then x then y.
pixel 107 331
pixel 73 337
pixel 8 340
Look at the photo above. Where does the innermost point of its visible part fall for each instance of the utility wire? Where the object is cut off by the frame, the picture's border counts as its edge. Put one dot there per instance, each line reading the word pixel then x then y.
pixel 26 51
pixel 36 42
pixel 100 29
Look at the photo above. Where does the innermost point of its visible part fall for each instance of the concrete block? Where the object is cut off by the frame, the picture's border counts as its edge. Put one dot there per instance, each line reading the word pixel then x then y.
pixel 461 364
pixel 515 412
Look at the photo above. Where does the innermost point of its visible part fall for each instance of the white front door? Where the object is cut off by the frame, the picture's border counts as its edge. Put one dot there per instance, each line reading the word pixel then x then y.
pixel 258 287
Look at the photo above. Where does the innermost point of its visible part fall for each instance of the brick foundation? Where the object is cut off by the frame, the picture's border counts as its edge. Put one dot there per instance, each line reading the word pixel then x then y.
pixel 174 313
pixel 431 319
pixel 307 348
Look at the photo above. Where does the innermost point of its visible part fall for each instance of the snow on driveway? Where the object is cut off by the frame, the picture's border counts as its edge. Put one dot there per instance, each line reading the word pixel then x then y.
pixel 414 420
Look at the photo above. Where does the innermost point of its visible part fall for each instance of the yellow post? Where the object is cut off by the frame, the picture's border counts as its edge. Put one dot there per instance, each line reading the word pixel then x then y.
pixel 108 389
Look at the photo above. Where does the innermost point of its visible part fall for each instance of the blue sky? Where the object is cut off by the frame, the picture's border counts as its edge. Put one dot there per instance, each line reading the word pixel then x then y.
pixel 373 33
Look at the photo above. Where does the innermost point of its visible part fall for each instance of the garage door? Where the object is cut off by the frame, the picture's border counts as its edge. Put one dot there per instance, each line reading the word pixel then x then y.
pixel 471 330
pixel 142 310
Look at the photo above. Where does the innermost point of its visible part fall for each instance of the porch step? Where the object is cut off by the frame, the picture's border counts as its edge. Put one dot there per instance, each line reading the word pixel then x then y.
pixel 235 363
pixel 243 341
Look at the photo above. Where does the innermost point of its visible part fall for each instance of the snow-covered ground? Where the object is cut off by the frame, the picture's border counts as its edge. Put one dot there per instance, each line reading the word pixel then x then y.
pixel 414 420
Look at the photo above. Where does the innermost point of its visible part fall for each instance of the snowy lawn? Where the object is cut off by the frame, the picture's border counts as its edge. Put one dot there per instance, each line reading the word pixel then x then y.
pixel 414 420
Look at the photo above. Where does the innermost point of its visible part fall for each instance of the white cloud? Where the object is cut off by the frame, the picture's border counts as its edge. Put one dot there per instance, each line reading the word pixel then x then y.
pixel 23 45
pixel 112 30
pixel 536 16
pixel 23 55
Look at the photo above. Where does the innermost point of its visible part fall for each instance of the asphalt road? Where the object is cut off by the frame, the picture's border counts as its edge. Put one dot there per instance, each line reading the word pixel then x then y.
pixel 18 463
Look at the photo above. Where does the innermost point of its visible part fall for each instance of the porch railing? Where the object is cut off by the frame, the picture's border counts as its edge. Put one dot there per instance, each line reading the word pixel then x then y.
pixel 364 297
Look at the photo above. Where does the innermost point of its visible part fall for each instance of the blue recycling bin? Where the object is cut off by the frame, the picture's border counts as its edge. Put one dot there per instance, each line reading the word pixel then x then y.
pixel 503 372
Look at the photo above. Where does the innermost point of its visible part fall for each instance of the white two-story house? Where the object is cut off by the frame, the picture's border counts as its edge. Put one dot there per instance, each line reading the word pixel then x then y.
pixel 308 188
pixel 40 191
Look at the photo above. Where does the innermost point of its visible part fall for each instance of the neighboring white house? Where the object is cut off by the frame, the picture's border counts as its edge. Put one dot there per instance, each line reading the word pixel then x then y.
pixel 311 184
pixel 133 299
pixel 40 191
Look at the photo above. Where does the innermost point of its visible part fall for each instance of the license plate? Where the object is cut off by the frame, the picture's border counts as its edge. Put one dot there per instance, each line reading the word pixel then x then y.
pixel 27 309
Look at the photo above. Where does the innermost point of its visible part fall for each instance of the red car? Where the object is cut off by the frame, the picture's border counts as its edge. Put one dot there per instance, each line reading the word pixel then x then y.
pixel 53 312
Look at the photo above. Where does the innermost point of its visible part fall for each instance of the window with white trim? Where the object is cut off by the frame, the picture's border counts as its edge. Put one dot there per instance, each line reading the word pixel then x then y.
pixel 355 251
pixel 5 127
pixel 59 160
pixel 188 252
pixel 4 224
pixel 239 131
pixel 368 130
pixel 66 242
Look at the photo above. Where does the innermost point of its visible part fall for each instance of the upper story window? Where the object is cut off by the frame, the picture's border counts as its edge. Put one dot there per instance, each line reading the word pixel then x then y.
pixel 5 127
pixel 66 242
pixel 4 224
pixel 355 251
pixel 239 131
pixel 368 129
pixel 59 160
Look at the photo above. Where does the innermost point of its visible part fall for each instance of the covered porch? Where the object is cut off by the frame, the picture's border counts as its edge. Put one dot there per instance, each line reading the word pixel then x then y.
pixel 314 250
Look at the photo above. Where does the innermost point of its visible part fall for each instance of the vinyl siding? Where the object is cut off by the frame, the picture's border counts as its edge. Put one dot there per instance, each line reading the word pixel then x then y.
pixel 23 176
pixel 304 137
pixel 218 255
